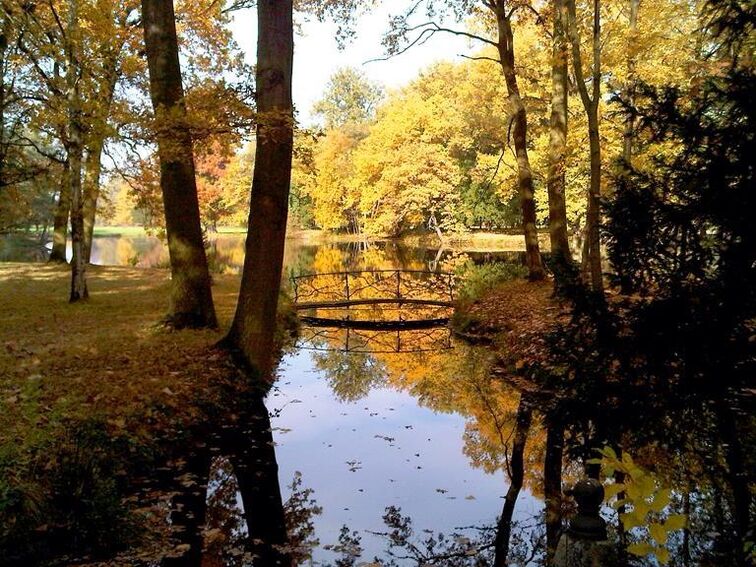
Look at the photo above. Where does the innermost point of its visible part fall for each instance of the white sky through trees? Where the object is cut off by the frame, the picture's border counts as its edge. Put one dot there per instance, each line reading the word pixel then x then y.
pixel 317 56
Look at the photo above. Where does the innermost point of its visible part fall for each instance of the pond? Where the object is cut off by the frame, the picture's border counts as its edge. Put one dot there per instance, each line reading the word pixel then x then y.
pixel 226 251
pixel 377 420
pixel 366 429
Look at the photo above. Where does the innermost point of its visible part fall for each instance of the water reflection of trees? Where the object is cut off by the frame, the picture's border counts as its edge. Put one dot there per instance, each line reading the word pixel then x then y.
pixel 351 375
pixel 540 435
pixel 543 438
pixel 244 439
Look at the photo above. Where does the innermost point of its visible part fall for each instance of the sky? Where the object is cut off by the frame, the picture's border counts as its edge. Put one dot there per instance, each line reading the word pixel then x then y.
pixel 317 56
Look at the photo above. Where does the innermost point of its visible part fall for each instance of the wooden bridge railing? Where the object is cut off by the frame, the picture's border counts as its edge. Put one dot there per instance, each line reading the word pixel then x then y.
pixel 373 287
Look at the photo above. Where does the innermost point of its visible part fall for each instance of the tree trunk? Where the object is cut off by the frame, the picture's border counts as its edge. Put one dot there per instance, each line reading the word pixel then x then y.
pixel 253 329
pixel 629 95
pixel 594 202
pixel 560 247
pixel 189 508
pixel 74 146
pixel 60 222
pixel 592 252
pixel 191 299
pixel 252 454
pixel 3 150
pixel 433 225
pixel 552 485
pixel 520 134
pixel 96 145
pixel 91 193
pixel 516 476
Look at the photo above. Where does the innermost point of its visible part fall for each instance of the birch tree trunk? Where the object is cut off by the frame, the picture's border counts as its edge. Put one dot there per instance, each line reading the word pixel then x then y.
pixel 253 328
pixel 74 146
pixel 191 300
pixel 592 250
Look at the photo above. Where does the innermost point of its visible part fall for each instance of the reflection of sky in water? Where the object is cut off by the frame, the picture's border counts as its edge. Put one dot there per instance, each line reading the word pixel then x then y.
pixel 328 437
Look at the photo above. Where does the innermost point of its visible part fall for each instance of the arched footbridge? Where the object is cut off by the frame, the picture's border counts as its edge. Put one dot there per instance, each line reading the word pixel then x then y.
pixel 375 299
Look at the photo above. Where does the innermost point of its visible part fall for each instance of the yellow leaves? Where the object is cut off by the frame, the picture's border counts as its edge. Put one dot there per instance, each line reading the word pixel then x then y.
pixel 676 521
pixel 404 169
pixel 661 500
pixel 647 500
pixel 611 490
pixel 631 520
pixel 658 533
pixel 643 549
pixel 640 549
pixel 662 555
pixel 332 188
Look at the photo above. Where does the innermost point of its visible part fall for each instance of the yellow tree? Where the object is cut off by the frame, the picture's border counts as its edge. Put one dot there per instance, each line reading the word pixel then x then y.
pixel 235 183
pixel 406 168
pixel 332 188
pixel 499 16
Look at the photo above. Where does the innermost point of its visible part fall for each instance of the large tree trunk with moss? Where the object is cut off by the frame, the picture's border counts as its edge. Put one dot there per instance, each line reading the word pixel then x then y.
pixel 60 221
pixel 191 299
pixel 253 329
pixel 74 147
pixel 560 247
pixel 520 134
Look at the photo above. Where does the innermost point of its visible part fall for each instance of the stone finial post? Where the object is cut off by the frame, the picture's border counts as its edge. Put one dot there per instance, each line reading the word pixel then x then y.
pixel 584 544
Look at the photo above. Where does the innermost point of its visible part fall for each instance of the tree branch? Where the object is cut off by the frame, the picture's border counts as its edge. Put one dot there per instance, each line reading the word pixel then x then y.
pixel 479 58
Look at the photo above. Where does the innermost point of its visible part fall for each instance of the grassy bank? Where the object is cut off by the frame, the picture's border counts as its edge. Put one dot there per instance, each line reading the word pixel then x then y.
pixel 90 395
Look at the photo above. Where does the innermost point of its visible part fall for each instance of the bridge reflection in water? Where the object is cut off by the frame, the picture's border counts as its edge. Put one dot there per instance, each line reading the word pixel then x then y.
pixel 379 311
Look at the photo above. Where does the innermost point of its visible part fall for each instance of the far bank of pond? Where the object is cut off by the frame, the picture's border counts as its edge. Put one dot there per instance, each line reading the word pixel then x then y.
pixel 132 246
